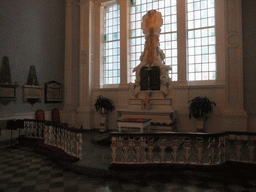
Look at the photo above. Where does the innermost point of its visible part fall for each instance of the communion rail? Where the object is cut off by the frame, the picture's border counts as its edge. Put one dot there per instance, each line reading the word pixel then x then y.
pixel 183 148
pixel 65 138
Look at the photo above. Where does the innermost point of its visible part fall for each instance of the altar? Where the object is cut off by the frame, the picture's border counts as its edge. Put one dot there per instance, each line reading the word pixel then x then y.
pixel 161 120
pixel 134 123
pixel 150 96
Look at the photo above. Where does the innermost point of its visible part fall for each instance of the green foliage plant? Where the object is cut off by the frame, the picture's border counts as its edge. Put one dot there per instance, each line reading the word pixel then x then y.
pixel 200 108
pixel 103 102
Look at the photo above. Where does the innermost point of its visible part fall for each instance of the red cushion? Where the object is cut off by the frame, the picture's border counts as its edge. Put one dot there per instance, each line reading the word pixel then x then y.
pixel 40 115
pixel 55 116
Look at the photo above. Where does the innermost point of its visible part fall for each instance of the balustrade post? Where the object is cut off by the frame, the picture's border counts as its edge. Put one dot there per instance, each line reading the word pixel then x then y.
pixel 126 150
pixel 80 155
pixel 40 134
pixel 43 130
pixel 162 146
pixel 199 147
pixel 31 129
pixel 150 147
pixel 251 147
pixel 46 135
pixel 62 139
pixel 68 148
pixel 73 143
pixel 119 150
pixel 132 149
pixel 34 133
pixel 238 145
pixel 175 146
pixel 222 151
pixel 77 144
pixel 138 150
pixel 26 127
pixel 143 149
pixel 54 135
pixel 58 137
pixel 113 148
pixel 65 140
pixel 187 147
pixel 212 148
pixel 50 135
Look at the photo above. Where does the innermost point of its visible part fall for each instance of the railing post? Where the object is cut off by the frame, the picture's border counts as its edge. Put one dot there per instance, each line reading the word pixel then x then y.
pixel 138 150
pixel 211 147
pixel 222 151
pixel 150 147
pixel 199 147
pixel 46 134
pixel 80 146
pixel 77 144
pixel 251 148
pixel 238 145
pixel 175 146
pixel 187 147
pixel 62 139
pixel 125 148
pixel 162 146
pixel 132 149
pixel 113 148
pixel 119 150
pixel 143 149
pixel 26 123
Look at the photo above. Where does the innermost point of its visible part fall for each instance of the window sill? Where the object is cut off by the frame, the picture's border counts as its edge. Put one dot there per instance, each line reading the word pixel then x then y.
pixel 197 84
pixel 173 85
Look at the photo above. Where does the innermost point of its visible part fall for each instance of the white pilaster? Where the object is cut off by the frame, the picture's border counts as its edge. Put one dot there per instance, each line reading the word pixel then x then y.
pixel 123 43
pixel 234 115
pixel 68 100
pixel 84 111
pixel 181 35
pixel 68 57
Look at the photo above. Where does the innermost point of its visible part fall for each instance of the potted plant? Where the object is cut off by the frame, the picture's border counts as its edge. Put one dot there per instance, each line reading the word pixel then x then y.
pixel 201 108
pixel 104 106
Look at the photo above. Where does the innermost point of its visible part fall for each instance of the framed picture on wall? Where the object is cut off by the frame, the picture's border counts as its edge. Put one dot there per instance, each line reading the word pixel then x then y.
pixel 53 92
pixel 7 93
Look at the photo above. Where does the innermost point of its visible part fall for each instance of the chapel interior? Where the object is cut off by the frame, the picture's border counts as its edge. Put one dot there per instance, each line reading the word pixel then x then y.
pixel 58 43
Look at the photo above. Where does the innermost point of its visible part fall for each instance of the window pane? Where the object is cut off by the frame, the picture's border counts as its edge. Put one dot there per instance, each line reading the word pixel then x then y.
pixel 201 40
pixel 111 50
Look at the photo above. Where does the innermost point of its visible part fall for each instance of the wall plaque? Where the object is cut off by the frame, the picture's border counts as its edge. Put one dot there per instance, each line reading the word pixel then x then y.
pixel 53 92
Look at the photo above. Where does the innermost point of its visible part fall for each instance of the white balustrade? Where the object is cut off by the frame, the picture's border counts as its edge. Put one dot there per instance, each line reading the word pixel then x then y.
pixel 66 139
pixel 173 148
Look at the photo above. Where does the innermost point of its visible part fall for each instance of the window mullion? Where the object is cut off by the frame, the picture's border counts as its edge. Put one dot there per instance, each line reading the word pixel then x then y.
pixel 181 37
